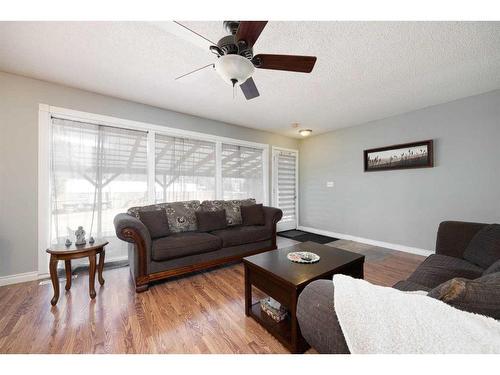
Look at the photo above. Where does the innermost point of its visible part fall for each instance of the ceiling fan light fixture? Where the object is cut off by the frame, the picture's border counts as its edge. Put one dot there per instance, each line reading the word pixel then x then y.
pixel 233 68
pixel 305 132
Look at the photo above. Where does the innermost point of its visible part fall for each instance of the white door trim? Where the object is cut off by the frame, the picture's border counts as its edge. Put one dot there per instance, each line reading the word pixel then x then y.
pixel 274 177
pixel 44 160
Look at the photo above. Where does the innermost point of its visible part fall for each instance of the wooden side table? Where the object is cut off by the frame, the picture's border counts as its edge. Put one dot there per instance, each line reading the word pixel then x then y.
pixel 66 253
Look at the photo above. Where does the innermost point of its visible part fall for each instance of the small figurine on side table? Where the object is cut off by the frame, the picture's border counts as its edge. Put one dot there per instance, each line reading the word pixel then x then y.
pixel 80 236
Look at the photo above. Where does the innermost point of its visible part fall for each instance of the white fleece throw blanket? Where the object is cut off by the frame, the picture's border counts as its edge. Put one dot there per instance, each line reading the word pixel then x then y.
pixel 381 320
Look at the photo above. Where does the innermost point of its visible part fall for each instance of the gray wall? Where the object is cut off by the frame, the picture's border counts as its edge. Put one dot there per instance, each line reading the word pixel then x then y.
pixel 405 207
pixel 19 99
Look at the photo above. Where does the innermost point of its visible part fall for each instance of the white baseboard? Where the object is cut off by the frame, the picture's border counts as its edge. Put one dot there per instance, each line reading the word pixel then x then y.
pixel 18 278
pixel 406 249
pixel 42 276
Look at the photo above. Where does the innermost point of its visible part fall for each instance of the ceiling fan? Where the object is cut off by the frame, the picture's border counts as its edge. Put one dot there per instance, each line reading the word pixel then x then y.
pixel 236 61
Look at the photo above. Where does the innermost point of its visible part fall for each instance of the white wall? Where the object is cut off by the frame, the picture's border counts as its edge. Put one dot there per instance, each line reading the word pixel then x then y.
pixel 19 99
pixel 405 206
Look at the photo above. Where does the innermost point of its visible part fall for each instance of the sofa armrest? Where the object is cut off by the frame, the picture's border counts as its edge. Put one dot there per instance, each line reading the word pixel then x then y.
pixel 454 236
pixel 317 319
pixel 272 215
pixel 130 229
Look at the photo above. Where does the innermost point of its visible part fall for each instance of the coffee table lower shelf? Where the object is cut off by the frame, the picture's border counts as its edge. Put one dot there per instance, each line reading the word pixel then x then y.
pixel 280 330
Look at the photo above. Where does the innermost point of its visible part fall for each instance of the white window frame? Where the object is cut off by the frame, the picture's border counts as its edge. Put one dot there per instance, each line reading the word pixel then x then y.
pixel 274 179
pixel 45 113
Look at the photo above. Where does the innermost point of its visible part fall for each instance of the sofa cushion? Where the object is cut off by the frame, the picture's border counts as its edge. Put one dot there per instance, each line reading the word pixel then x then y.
pixel 409 286
pixel 232 207
pixel 495 267
pixel 437 269
pixel 156 221
pixel 183 244
pixel 243 234
pixel 181 215
pixel 484 248
pixel 480 296
pixel 253 215
pixel 211 220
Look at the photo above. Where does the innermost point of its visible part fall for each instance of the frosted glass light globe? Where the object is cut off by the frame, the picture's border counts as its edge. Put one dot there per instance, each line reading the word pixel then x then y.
pixel 234 67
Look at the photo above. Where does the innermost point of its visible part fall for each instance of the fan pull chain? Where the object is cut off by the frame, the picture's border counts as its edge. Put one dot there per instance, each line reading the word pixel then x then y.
pixel 233 81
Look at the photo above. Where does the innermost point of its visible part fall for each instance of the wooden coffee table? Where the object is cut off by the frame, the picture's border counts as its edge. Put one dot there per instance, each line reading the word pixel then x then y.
pixel 283 280
pixel 67 253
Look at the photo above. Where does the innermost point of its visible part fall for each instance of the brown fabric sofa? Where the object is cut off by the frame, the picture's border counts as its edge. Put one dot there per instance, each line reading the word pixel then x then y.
pixel 316 309
pixel 186 249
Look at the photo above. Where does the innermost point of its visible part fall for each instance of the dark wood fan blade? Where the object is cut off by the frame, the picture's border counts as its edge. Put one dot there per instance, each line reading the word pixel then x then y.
pixel 249 31
pixel 249 89
pixel 292 63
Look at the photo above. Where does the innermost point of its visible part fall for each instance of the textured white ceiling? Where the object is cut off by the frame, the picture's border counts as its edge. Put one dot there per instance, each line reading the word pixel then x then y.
pixel 365 70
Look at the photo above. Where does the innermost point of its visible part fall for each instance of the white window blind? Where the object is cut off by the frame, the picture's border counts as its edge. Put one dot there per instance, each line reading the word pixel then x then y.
pixel 242 172
pixel 96 172
pixel 287 188
pixel 185 169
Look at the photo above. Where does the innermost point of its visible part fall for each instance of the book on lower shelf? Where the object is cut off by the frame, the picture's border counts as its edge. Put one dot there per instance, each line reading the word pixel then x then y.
pixel 273 309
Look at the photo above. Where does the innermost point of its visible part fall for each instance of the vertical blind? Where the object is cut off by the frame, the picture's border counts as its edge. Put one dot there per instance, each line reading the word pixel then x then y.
pixel 99 171
pixel 184 169
pixel 242 172
pixel 96 173
pixel 286 193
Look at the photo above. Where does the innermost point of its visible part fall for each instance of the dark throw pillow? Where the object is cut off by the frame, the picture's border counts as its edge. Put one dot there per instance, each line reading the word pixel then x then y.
pixel 480 296
pixel 484 248
pixel 156 221
pixel 211 220
pixel 253 215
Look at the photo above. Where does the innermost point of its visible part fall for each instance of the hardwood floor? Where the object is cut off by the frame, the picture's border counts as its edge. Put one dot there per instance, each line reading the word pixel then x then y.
pixel 201 313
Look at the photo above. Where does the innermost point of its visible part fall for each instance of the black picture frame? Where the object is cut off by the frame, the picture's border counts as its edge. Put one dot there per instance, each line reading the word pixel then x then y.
pixel 400 156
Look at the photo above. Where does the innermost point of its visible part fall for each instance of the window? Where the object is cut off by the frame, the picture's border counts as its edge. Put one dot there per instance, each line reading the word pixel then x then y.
pixel 242 172
pixel 94 167
pixel 97 172
pixel 185 169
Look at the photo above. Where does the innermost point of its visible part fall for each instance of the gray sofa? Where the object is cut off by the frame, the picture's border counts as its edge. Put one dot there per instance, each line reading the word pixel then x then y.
pixel 186 249
pixel 316 309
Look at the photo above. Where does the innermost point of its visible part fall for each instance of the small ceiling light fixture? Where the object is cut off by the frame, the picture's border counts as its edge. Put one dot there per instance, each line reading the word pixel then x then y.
pixel 305 132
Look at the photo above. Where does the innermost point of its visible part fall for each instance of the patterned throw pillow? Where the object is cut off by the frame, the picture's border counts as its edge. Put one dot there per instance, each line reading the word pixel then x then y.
pixel 449 291
pixel 232 207
pixel 480 296
pixel 181 215
pixel 134 211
